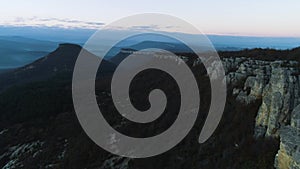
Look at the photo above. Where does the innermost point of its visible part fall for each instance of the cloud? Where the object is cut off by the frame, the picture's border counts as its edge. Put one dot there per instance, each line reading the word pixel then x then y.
pixel 143 28
pixel 52 22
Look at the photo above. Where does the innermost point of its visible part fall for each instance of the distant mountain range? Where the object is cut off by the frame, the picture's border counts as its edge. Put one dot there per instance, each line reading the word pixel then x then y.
pixel 80 36
pixel 17 51
pixel 23 45
pixel 62 60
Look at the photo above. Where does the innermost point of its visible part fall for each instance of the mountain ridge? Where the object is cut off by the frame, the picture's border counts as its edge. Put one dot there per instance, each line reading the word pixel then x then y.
pixel 61 60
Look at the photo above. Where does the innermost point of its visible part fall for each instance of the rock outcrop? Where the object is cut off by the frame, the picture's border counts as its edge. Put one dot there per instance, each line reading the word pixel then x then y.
pixel 288 156
pixel 277 85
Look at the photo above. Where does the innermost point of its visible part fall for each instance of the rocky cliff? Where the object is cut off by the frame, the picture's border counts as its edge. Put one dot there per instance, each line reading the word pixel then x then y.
pixel 276 84
pixel 288 156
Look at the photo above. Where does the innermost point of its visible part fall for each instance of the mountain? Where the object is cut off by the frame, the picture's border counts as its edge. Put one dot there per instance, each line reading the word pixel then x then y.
pixel 168 46
pixel 60 61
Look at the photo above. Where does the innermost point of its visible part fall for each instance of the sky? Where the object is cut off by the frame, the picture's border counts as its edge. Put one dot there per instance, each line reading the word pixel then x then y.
pixel 275 18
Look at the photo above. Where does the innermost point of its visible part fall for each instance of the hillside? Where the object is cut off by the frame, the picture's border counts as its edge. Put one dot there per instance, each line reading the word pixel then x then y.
pixel 259 128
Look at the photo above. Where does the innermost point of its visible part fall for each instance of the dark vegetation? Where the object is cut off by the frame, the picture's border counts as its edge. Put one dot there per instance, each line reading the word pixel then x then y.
pixel 265 54
pixel 43 110
pixel 35 100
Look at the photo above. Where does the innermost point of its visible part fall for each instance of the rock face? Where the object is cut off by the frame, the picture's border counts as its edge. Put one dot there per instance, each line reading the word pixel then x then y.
pixel 280 96
pixel 288 156
pixel 277 85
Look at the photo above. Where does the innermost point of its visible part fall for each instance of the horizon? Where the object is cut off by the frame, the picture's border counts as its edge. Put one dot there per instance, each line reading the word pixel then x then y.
pixel 81 35
pixel 94 29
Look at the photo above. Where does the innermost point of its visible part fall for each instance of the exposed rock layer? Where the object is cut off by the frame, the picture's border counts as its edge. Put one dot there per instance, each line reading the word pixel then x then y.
pixel 277 85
